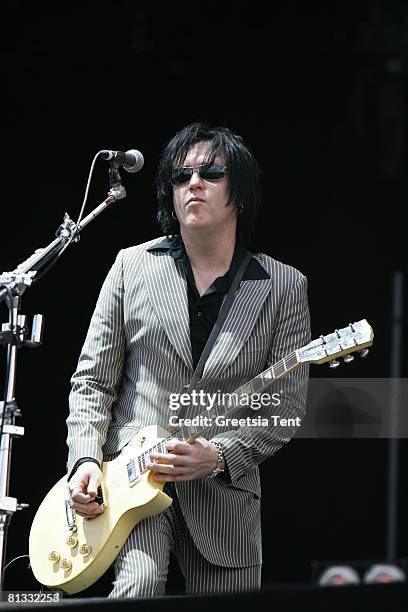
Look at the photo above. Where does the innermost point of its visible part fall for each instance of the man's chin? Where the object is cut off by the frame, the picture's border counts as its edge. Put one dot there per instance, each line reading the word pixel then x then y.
pixel 197 222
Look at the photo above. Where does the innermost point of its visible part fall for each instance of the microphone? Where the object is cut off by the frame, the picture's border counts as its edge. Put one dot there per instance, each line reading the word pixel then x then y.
pixel 132 160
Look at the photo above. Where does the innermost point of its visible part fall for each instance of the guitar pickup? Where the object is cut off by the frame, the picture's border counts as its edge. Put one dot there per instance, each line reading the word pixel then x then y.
pixel 70 516
pixel 133 472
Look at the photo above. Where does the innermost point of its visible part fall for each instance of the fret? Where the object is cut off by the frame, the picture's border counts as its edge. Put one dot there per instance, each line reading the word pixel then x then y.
pixel 266 377
pixel 292 359
pixel 246 389
pixel 216 411
pixel 239 397
pixel 229 401
pixel 221 410
pixel 177 434
pixel 279 369
pixel 162 446
pixel 258 384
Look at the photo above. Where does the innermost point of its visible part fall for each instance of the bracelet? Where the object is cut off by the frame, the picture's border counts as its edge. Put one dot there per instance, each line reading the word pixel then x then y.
pixel 220 467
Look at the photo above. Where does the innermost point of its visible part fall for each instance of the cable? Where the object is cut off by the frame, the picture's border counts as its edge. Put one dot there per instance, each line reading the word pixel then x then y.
pixel 16 559
pixel 53 262
pixel 78 221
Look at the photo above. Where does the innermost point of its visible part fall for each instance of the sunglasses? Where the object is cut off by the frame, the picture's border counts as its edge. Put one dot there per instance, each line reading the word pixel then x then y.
pixel 212 172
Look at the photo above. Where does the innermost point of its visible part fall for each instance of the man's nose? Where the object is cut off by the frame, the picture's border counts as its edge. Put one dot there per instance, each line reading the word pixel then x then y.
pixel 195 179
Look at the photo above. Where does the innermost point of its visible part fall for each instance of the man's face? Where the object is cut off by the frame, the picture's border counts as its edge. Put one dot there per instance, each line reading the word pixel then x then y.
pixel 201 203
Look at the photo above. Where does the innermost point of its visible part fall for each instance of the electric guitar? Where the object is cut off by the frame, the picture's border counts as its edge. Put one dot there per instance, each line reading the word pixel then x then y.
pixel 70 553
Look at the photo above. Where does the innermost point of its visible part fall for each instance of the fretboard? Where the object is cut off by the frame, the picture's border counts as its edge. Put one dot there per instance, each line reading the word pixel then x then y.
pixel 231 401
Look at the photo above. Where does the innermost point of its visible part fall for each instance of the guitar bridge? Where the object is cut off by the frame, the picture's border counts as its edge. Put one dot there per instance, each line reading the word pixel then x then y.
pixel 133 472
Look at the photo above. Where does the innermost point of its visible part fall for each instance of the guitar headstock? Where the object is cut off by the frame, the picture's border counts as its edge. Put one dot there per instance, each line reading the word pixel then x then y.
pixel 355 337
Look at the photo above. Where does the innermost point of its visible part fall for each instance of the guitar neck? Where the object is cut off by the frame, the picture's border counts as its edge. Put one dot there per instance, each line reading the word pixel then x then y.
pixel 231 401
pixel 238 398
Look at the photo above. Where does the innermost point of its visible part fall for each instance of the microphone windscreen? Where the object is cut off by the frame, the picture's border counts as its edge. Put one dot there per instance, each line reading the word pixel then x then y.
pixel 137 161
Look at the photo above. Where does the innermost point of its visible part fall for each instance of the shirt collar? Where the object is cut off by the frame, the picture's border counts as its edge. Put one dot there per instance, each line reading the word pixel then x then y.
pixel 175 247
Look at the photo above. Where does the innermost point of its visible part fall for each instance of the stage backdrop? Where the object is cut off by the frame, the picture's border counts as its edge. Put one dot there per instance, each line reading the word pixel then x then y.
pixel 320 95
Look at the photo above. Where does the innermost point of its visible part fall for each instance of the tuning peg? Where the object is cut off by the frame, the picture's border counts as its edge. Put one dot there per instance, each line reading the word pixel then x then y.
pixel 364 353
pixel 348 358
pixel 334 364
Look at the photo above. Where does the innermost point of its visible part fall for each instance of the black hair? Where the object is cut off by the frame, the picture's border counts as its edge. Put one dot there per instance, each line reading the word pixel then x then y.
pixel 244 190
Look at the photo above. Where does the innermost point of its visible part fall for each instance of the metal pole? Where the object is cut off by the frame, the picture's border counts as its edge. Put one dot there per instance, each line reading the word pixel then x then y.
pixel 12 286
pixel 7 505
pixel 393 444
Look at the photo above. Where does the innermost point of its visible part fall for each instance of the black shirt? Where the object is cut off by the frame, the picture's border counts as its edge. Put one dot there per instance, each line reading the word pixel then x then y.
pixel 203 310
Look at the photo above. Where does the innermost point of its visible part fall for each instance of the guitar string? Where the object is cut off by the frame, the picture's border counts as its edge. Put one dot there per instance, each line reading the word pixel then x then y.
pixel 118 473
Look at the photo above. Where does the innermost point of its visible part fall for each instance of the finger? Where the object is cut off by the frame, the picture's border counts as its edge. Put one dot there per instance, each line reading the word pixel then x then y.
pixel 161 468
pixel 163 458
pixel 174 477
pixel 93 485
pixel 76 492
pixel 87 516
pixel 82 498
pixel 180 448
pixel 90 509
pixel 74 488
pixel 175 448
pixel 162 478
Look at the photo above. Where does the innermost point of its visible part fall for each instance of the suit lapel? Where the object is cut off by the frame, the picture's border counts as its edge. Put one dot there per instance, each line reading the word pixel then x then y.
pixel 238 326
pixel 167 290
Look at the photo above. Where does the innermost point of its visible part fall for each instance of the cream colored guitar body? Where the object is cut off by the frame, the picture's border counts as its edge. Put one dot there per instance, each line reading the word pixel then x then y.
pixel 73 558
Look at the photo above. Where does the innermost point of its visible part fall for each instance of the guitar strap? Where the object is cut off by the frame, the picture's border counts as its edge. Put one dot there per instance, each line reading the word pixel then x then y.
pixel 222 315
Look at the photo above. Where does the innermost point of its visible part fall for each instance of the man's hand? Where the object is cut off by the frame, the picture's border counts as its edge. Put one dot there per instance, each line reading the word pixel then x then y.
pixel 186 461
pixel 83 488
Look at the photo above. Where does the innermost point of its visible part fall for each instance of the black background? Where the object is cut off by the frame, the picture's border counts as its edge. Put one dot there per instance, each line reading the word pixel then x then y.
pixel 320 94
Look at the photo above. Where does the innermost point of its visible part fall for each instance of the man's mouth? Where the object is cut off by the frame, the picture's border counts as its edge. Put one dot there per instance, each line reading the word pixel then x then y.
pixel 194 201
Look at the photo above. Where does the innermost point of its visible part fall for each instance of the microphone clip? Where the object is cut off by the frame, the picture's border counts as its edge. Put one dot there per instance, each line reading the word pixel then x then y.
pixel 117 190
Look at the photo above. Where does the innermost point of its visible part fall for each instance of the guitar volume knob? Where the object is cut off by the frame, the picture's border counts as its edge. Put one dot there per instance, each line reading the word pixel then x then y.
pixel 54 556
pixel 85 550
pixel 72 541
pixel 66 565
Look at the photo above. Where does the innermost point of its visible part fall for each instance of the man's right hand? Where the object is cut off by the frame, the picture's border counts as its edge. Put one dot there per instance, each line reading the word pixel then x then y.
pixel 83 488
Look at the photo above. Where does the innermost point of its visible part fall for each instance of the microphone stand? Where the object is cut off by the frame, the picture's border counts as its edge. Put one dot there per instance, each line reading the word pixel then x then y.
pixel 14 334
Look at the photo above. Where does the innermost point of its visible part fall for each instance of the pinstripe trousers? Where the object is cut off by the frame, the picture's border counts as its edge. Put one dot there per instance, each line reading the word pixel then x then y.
pixel 142 565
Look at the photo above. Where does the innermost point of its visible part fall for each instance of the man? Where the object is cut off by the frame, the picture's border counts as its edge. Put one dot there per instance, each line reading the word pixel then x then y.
pixel 152 320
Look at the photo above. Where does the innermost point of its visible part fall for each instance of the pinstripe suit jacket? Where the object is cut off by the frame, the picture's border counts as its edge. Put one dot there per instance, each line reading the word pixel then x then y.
pixel 137 352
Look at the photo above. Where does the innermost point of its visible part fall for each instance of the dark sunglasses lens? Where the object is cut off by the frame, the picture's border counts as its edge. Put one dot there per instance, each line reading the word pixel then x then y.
pixel 209 173
pixel 180 176
pixel 212 173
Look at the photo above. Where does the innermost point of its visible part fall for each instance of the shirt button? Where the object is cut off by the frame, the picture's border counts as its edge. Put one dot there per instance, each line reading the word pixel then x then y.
pixel 199 313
